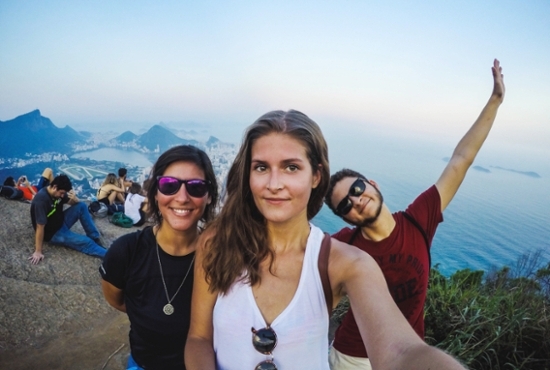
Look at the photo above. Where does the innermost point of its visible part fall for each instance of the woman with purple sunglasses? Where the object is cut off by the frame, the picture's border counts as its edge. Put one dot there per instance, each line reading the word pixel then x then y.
pixel 149 274
pixel 261 297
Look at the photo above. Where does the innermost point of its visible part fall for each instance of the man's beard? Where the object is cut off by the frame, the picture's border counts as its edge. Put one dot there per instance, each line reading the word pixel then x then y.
pixel 369 221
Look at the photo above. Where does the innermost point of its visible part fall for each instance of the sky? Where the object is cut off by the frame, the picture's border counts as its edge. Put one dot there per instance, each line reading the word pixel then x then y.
pixel 414 68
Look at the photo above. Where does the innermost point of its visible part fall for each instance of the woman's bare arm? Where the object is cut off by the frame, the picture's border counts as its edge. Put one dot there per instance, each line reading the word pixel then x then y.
pixel 389 339
pixel 113 295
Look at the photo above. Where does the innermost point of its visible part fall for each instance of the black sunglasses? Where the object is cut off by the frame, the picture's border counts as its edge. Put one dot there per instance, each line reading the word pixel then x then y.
pixel 356 189
pixel 265 341
pixel 196 188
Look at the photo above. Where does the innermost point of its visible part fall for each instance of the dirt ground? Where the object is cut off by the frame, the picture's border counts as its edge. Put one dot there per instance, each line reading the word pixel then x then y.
pixel 102 345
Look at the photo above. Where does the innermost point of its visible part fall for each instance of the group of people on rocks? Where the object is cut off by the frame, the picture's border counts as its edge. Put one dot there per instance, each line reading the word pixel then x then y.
pixel 253 286
pixel 122 195
pixel 52 221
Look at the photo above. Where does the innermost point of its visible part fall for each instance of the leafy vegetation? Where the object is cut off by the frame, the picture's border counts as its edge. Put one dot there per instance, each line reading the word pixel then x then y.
pixel 499 320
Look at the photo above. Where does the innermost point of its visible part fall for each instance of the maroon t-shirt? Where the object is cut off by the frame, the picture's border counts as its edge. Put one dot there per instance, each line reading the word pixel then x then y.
pixel 403 258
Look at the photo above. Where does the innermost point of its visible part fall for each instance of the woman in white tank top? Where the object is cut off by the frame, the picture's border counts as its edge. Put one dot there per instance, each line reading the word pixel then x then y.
pixel 258 300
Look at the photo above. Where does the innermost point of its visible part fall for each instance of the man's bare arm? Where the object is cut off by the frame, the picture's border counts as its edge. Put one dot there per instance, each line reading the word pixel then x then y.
pixel 73 199
pixel 468 147
pixel 37 256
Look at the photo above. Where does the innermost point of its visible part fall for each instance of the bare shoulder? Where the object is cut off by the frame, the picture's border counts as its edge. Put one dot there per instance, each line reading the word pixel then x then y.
pixel 204 240
pixel 343 254
pixel 348 263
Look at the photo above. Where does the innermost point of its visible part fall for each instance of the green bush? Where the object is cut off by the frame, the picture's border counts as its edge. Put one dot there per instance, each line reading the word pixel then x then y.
pixel 498 323
pixel 499 320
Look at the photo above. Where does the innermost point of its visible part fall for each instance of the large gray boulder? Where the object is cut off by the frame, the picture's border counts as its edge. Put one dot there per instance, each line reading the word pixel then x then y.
pixel 53 315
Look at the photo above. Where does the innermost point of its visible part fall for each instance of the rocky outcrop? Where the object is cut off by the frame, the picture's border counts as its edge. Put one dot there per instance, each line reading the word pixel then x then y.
pixel 53 315
pixel 57 302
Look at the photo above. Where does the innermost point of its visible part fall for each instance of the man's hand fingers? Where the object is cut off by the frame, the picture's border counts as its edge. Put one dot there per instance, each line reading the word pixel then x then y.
pixel 35 259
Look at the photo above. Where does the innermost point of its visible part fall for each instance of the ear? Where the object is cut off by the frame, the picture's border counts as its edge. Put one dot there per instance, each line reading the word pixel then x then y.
pixel 209 200
pixel 374 183
pixel 316 177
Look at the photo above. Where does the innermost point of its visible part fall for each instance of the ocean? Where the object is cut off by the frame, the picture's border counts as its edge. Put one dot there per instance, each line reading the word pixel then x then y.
pixel 499 214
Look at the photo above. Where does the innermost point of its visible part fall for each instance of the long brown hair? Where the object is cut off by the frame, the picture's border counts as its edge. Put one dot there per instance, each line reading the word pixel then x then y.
pixel 240 241
pixel 109 179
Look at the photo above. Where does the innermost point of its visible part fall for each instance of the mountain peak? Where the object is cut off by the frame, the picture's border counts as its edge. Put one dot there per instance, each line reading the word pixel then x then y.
pixel 34 133
pixel 34 113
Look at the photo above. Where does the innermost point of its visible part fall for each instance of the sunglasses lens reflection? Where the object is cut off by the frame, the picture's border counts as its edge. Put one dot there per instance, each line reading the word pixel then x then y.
pixel 356 189
pixel 169 185
pixel 196 188
pixel 264 340
pixel 266 365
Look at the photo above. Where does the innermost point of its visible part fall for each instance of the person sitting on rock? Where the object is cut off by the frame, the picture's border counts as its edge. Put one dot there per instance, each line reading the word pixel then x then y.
pixel 53 224
pixel 9 189
pixel 29 191
pixel 135 202
pixel 109 193
pixel 123 183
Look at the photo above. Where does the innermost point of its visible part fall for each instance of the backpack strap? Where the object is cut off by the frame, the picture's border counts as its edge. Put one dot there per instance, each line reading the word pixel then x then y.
pixel 354 235
pixel 323 271
pixel 426 240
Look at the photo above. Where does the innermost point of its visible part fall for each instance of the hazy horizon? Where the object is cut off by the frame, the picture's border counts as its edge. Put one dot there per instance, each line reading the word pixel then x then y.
pixel 416 67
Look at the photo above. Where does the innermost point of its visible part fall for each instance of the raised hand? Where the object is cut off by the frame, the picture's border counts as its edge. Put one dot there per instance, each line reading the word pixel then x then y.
pixel 498 77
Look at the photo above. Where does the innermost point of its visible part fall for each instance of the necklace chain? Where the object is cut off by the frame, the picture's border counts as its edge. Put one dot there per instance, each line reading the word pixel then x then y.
pixel 168 309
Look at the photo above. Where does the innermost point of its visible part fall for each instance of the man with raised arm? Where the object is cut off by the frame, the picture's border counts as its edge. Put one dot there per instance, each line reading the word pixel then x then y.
pixel 52 223
pixel 400 242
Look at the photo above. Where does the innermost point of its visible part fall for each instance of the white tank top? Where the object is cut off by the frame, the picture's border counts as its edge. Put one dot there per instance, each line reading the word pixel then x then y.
pixel 302 327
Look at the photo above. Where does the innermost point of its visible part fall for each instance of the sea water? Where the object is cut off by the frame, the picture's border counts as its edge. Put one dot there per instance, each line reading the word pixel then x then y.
pixel 499 213
pixel 114 154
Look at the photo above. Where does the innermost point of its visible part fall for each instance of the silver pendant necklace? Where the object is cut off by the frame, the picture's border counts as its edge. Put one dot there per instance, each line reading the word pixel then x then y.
pixel 168 309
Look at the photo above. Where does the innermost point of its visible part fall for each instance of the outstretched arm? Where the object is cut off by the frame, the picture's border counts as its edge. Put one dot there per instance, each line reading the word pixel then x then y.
pixel 468 147
pixel 389 339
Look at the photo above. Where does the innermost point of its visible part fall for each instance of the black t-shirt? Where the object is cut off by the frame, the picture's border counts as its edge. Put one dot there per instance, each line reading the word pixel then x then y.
pixel 47 211
pixel 157 340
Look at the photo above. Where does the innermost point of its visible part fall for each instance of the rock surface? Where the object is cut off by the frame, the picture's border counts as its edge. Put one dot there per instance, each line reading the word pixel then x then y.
pixel 53 315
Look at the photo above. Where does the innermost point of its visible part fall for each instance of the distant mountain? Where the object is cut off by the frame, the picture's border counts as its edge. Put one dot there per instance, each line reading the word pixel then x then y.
pixel 33 133
pixel 160 138
pixel 526 173
pixel 212 141
pixel 126 137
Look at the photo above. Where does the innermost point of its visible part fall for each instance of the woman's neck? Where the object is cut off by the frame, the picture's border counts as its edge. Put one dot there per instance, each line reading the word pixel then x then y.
pixel 288 236
pixel 176 243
